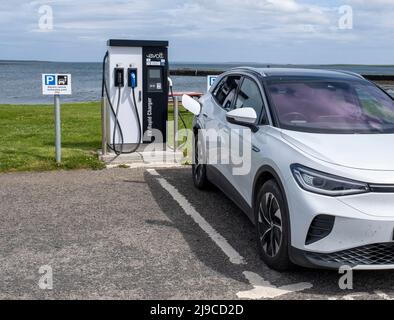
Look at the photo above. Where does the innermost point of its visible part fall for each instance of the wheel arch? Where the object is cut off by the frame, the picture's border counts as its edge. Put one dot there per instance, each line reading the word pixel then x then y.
pixel 264 174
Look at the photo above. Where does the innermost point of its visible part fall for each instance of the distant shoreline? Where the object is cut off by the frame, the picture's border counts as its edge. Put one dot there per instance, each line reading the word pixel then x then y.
pixel 201 69
pixel 180 63
pixel 87 78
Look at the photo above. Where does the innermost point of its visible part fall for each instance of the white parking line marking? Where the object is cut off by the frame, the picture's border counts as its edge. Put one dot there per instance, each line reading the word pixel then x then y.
pixel 153 172
pixel 265 290
pixel 231 253
pixel 262 288
pixel 353 296
pixel 383 295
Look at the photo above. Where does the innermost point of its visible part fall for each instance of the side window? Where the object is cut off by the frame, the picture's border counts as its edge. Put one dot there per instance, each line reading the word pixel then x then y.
pixel 249 96
pixel 226 90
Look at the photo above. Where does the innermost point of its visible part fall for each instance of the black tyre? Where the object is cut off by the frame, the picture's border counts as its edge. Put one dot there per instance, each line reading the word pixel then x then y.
pixel 273 227
pixel 199 168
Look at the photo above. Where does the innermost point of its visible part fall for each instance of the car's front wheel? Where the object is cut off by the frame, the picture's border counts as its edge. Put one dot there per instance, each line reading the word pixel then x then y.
pixel 272 224
pixel 199 168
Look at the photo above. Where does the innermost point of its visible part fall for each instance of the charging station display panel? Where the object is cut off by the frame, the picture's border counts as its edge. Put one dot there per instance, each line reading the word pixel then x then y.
pixel 156 92
pixel 155 79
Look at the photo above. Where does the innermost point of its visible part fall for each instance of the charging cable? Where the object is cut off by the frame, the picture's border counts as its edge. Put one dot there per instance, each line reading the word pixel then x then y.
pixel 133 86
pixel 117 126
pixel 179 114
pixel 105 92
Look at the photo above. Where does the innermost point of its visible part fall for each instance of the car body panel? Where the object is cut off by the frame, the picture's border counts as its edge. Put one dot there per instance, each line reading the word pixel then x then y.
pixel 358 151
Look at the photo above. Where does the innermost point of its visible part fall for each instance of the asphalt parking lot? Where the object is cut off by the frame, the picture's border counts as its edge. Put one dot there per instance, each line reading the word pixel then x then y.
pixel 144 234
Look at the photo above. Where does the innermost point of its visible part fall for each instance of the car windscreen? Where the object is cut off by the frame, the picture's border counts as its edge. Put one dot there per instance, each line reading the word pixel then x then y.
pixel 331 105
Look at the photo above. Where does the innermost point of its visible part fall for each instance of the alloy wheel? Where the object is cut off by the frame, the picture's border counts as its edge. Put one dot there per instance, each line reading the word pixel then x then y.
pixel 198 167
pixel 270 224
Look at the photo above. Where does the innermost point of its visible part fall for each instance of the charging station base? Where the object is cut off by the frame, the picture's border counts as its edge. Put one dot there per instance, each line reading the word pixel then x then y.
pixel 142 158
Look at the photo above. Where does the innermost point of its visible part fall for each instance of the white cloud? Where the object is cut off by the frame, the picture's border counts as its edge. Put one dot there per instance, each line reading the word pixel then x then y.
pixel 299 24
pixel 171 17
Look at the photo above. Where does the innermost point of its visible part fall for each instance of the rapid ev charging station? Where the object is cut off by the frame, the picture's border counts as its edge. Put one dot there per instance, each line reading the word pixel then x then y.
pixel 134 94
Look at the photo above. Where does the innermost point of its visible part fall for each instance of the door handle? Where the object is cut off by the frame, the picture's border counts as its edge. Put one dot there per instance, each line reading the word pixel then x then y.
pixel 255 149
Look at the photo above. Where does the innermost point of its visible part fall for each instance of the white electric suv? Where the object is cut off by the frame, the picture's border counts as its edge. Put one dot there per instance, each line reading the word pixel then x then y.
pixel 320 184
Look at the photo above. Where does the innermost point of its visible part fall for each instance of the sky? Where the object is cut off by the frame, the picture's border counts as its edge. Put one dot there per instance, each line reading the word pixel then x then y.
pixel 263 31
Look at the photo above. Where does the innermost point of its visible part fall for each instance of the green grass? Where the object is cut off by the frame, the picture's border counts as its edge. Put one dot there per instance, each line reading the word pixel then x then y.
pixel 27 137
pixel 187 116
pixel 185 139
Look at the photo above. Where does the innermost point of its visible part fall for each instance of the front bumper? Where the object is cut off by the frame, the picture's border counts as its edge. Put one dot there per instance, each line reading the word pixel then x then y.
pixel 370 257
pixel 362 236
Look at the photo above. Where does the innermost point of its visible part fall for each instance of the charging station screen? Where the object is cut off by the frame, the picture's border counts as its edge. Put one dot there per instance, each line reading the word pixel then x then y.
pixel 155 73
pixel 155 80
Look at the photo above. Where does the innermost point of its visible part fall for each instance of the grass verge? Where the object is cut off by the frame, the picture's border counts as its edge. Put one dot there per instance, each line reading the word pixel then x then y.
pixel 27 137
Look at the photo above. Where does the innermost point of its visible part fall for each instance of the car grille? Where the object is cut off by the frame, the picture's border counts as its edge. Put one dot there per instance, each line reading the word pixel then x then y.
pixel 375 254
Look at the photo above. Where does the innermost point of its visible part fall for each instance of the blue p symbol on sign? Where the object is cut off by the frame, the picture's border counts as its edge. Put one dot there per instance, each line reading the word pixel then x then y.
pixel 211 81
pixel 50 80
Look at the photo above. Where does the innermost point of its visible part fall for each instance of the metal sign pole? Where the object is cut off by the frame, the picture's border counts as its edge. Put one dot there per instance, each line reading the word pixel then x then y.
pixel 58 130
pixel 176 110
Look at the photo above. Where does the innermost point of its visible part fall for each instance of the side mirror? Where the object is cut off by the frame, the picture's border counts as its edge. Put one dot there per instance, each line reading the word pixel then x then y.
pixel 244 117
pixel 191 105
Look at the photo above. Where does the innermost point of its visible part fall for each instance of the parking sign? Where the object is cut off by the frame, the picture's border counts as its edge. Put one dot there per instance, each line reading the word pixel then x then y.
pixel 56 84
pixel 211 81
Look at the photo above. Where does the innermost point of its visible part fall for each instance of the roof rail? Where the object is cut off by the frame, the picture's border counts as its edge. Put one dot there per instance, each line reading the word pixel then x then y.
pixel 250 69
pixel 351 74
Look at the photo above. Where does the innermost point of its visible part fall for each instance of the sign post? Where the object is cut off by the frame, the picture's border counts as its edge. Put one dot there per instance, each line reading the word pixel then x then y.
pixel 58 133
pixel 56 85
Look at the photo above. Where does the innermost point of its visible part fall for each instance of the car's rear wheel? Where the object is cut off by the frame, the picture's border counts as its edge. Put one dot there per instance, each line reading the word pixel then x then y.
pixel 273 228
pixel 199 168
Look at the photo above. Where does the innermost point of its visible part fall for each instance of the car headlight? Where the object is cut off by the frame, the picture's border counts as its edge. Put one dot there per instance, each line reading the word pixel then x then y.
pixel 326 184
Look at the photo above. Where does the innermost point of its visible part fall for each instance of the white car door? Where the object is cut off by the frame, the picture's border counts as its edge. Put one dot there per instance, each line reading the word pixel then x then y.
pixel 244 146
pixel 216 130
